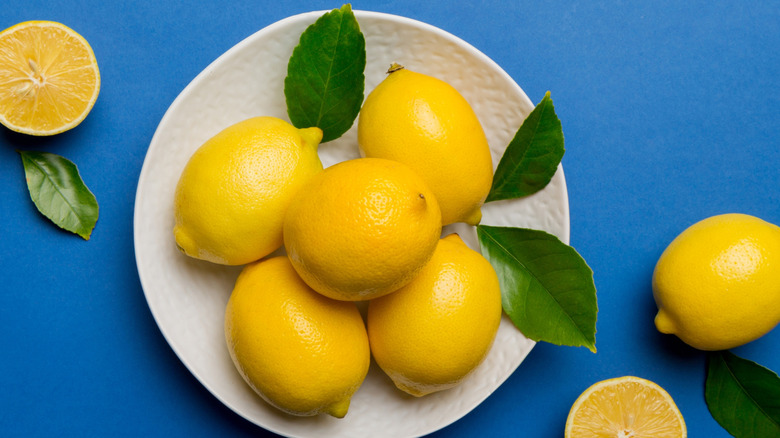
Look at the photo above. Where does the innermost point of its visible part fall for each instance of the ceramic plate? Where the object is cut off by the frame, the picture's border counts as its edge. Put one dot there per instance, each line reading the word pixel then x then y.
pixel 187 297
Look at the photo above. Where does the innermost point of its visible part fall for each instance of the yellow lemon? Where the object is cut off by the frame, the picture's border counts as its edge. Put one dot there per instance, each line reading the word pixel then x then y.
pixel 232 194
pixel 432 333
pixel 362 228
pixel 49 78
pixel 625 407
pixel 426 124
pixel 717 285
pixel 300 351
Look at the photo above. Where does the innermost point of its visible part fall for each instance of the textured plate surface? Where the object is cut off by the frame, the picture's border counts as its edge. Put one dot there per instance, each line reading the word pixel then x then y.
pixel 187 297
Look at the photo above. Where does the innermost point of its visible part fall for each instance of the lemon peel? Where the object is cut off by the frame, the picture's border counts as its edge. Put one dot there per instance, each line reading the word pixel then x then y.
pixel 231 196
pixel 717 284
pixel 303 353
pixel 434 332
pixel 428 125
pixel 362 228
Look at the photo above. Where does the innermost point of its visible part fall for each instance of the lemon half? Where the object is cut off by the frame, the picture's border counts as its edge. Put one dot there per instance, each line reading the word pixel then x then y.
pixel 49 78
pixel 625 407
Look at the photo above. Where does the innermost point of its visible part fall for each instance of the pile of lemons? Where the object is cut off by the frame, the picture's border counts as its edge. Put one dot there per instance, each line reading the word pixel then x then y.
pixel 364 230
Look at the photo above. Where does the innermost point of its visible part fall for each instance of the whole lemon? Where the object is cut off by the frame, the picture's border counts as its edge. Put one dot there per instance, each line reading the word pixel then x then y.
pixel 362 228
pixel 232 194
pixel 717 285
pixel 432 333
pixel 428 125
pixel 300 351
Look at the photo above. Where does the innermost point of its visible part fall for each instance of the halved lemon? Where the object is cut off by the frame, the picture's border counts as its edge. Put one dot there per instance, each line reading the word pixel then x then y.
pixel 625 407
pixel 49 78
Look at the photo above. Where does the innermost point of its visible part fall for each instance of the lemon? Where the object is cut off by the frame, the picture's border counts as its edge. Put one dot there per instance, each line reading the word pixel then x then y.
pixel 432 333
pixel 49 78
pixel 428 125
pixel 300 351
pixel 717 284
pixel 362 228
pixel 625 407
pixel 232 194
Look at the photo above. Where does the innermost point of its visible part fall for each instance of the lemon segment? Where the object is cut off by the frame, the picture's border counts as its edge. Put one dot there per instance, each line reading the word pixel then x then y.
pixel 625 407
pixel 49 78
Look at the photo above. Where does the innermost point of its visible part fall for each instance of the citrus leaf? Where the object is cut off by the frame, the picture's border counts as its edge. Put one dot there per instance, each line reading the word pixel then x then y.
pixel 326 74
pixel 59 193
pixel 532 157
pixel 547 288
pixel 742 396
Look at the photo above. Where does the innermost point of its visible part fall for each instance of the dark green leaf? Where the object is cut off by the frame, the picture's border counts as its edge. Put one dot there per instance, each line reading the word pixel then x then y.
pixel 547 289
pixel 532 157
pixel 58 191
pixel 326 75
pixel 743 396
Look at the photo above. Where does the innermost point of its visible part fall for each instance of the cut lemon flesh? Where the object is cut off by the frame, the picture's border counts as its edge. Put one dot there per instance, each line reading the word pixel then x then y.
pixel 625 407
pixel 49 78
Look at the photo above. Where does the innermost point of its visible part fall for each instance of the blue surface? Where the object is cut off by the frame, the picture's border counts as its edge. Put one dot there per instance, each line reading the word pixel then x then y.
pixel 670 111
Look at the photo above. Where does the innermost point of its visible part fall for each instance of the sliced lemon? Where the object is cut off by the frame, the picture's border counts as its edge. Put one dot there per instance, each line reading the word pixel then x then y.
pixel 625 407
pixel 49 78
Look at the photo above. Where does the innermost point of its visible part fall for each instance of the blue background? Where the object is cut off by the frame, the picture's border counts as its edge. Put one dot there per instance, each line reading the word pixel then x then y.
pixel 670 111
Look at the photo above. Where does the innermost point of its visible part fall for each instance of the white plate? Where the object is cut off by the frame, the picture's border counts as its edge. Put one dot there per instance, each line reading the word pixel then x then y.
pixel 187 297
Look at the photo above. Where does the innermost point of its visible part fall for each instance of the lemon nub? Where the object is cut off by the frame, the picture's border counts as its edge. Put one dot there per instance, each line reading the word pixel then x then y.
pixel 663 323
pixel 311 136
pixel 474 218
pixel 340 408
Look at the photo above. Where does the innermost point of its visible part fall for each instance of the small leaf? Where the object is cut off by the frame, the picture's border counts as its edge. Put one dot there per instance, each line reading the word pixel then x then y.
pixel 326 74
pixel 743 396
pixel 547 288
pixel 532 157
pixel 59 193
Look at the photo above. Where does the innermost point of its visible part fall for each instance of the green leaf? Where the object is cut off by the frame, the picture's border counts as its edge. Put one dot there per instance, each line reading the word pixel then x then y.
pixel 743 396
pixel 532 157
pixel 326 74
pixel 58 191
pixel 547 288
